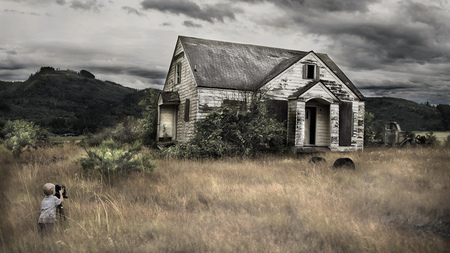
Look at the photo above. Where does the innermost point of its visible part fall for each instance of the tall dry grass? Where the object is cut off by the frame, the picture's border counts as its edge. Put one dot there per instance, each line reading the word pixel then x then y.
pixel 397 200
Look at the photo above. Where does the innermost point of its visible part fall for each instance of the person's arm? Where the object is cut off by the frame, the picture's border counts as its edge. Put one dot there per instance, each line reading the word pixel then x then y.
pixel 61 195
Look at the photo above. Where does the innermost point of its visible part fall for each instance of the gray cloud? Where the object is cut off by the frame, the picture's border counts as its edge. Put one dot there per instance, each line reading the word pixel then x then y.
pixel 87 5
pixel 22 12
pixel 209 13
pixel 189 23
pixel 131 10
pixel 319 6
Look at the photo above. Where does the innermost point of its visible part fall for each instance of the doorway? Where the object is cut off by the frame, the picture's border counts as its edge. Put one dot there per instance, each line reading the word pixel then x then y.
pixel 310 125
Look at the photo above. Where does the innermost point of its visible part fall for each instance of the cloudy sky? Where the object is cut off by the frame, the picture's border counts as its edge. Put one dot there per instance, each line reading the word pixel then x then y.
pixel 396 48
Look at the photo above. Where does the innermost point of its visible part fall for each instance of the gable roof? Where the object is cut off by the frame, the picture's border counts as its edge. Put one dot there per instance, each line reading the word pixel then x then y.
pixel 226 65
pixel 310 86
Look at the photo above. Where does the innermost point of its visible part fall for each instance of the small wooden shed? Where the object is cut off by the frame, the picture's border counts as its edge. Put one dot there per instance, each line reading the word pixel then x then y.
pixel 322 108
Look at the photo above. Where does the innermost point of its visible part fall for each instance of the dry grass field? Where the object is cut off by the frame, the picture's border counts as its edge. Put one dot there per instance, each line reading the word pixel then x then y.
pixel 397 200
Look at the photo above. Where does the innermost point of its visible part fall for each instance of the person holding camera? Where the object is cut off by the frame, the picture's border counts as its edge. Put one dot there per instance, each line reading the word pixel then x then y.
pixel 48 207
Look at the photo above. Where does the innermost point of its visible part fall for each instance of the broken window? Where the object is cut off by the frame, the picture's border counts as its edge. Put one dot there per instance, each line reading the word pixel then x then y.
pixel 311 71
pixel 187 106
pixel 178 73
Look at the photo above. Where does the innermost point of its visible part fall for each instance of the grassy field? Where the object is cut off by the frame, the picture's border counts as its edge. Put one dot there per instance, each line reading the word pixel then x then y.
pixel 397 200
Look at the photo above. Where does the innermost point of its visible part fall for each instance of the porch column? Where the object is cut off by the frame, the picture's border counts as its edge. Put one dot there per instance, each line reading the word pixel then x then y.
pixel 334 126
pixel 300 124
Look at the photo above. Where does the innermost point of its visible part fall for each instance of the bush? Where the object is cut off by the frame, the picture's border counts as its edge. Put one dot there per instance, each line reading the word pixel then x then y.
pixel 22 135
pixel 233 131
pixel 128 131
pixel 431 138
pixel 112 158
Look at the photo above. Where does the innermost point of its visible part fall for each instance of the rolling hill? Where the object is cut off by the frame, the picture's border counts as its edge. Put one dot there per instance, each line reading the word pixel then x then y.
pixel 410 115
pixel 68 101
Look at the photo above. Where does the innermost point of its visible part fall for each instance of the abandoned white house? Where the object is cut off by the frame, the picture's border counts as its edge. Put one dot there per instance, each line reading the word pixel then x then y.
pixel 320 105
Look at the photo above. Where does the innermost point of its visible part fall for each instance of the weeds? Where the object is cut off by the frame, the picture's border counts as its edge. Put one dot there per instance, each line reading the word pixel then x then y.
pixel 397 200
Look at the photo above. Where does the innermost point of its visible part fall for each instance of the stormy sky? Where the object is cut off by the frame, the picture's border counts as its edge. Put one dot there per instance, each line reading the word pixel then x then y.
pixel 395 48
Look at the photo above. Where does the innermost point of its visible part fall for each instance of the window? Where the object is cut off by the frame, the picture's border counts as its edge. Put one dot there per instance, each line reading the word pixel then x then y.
pixel 187 106
pixel 310 71
pixel 178 73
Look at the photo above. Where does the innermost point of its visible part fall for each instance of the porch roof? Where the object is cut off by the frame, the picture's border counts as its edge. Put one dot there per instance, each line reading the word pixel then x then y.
pixel 169 98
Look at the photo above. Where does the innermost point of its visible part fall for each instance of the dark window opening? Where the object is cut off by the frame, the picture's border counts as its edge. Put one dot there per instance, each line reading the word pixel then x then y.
pixel 278 109
pixel 235 103
pixel 311 70
pixel 178 73
pixel 187 106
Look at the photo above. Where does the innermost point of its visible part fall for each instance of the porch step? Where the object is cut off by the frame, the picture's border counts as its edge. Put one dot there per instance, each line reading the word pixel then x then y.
pixel 310 149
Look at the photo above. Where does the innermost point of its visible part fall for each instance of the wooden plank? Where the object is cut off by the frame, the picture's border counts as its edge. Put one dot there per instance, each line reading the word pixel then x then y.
pixel 345 124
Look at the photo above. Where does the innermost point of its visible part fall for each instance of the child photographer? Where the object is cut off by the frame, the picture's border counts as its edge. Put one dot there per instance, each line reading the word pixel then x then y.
pixel 48 207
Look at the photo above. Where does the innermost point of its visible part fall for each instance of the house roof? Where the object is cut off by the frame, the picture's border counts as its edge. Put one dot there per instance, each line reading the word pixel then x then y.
pixel 218 64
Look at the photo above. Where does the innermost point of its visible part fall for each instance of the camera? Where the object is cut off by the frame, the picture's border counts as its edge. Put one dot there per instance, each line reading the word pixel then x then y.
pixel 60 209
pixel 58 187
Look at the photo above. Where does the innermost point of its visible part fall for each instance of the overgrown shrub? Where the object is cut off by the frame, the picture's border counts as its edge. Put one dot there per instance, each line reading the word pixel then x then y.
pixel 149 119
pixel 21 135
pixel 233 131
pixel 127 131
pixel 431 138
pixel 112 158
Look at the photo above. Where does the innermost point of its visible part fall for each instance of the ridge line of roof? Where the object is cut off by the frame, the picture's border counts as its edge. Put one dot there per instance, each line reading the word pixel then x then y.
pixel 242 44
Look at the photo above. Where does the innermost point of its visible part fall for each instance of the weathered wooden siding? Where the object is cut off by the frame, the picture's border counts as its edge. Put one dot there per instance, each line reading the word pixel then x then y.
pixel 210 99
pixel 186 90
pixel 291 121
pixel 300 124
pixel 292 79
pixel 359 124
pixel 334 124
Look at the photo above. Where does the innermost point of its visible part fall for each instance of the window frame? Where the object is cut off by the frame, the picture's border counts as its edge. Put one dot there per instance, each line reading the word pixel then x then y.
pixel 315 71
pixel 178 68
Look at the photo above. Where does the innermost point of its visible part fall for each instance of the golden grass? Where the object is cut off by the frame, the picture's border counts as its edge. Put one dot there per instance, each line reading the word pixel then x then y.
pixel 397 200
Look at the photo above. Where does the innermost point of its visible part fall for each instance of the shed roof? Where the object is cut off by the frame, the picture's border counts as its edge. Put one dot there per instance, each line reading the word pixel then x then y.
pixel 219 64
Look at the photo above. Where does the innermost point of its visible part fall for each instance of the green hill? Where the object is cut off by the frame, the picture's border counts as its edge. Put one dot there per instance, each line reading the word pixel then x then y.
pixel 68 101
pixel 410 115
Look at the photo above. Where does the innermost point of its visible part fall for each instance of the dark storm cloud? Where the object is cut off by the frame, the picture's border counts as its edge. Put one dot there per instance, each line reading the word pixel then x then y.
pixel 417 33
pixel 322 5
pixel 209 13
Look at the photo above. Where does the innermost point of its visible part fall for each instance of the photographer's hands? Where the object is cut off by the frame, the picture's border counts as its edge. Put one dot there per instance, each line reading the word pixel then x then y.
pixel 61 194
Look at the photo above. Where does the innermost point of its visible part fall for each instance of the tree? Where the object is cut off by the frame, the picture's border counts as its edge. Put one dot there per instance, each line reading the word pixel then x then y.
pixel 369 129
pixel 149 121
pixel 22 135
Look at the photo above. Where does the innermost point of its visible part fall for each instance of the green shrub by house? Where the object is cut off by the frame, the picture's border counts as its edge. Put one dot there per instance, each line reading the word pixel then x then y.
pixel 233 131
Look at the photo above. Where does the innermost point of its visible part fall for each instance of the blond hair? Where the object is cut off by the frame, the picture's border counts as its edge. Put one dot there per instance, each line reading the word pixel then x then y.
pixel 48 188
